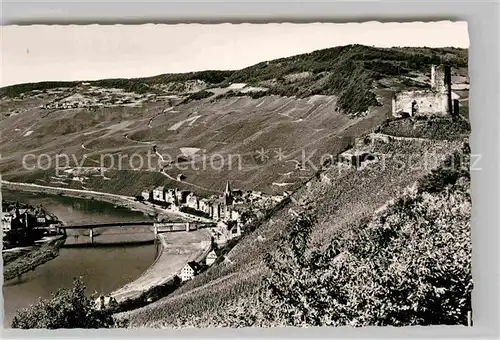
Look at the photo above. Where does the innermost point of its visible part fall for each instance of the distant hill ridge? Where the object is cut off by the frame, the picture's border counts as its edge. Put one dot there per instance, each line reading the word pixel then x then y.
pixel 347 71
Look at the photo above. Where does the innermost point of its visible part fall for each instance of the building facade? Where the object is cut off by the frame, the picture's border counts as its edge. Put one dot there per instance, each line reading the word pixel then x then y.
pixel 147 195
pixel 438 100
pixel 192 201
pixel 211 257
pixel 159 194
pixel 171 196
pixel 6 220
pixel 204 206
pixel 187 273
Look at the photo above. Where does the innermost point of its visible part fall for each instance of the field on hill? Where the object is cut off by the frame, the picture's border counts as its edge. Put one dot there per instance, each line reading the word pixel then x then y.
pixel 264 127
pixel 339 200
pixel 292 124
pixel 228 134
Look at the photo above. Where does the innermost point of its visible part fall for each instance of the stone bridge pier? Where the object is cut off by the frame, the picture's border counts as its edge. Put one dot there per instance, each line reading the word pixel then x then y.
pixel 173 226
pixel 157 228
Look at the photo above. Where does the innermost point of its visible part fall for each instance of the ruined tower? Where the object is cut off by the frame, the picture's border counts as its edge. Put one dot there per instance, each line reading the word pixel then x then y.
pixel 438 78
pixel 433 76
pixel 447 83
pixel 441 83
pixel 436 100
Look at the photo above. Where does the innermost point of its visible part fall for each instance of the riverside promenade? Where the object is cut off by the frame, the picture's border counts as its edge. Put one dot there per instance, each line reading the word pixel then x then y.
pixel 176 250
pixel 128 202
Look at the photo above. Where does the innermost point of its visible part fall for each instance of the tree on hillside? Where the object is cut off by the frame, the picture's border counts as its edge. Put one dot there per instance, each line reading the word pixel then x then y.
pixel 248 216
pixel 410 265
pixel 68 308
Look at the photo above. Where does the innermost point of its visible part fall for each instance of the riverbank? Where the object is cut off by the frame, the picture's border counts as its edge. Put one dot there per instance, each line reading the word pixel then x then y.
pixel 128 202
pixel 176 250
pixel 103 268
pixel 30 257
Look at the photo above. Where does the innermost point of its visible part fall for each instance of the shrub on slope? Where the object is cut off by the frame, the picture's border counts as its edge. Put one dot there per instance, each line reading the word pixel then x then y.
pixel 345 71
pixel 408 265
pixel 67 308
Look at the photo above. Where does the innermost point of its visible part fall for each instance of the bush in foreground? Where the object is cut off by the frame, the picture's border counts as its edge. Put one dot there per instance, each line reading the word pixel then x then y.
pixel 68 308
pixel 407 265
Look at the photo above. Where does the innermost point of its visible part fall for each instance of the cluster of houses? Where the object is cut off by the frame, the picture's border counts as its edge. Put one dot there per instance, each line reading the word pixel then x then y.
pixel 191 269
pixel 61 106
pixel 95 98
pixel 221 208
pixel 216 207
pixel 23 226
pixel 22 218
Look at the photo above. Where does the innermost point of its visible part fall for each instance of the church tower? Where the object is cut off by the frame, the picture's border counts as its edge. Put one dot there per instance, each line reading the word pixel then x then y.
pixel 228 195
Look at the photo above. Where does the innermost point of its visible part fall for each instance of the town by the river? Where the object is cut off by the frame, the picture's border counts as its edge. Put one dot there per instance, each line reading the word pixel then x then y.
pixel 103 269
pixel 129 251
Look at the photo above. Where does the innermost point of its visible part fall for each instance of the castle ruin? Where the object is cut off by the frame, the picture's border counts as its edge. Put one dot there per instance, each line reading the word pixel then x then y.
pixel 439 99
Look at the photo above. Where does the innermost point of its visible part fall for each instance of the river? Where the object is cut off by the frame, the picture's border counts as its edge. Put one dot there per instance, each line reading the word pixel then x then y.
pixel 103 269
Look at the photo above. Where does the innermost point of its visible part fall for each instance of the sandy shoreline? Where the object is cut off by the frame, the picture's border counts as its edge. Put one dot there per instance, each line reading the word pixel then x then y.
pixel 177 249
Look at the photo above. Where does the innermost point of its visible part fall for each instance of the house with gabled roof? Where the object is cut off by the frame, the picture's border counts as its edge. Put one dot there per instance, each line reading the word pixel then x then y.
pixel 211 257
pixel 189 271
pixel 159 194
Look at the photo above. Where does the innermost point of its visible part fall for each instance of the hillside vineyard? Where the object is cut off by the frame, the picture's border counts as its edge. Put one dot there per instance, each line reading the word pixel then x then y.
pixel 328 188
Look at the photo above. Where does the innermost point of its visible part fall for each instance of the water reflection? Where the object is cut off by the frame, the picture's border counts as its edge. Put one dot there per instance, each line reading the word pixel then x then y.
pixel 103 269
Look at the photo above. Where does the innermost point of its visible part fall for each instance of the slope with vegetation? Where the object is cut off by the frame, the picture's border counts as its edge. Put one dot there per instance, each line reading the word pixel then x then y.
pixel 390 250
pixel 318 101
pixel 347 71
pixel 358 248
pixel 409 264
pixel 67 308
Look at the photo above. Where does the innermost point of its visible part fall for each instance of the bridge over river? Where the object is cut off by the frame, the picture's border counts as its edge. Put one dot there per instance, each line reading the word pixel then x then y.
pixel 155 227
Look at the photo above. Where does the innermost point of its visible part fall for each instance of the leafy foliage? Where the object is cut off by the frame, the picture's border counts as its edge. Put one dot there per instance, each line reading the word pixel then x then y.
pixel 231 293
pixel 409 265
pixel 345 71
pixel 68 308
pixel 433 128
pixel 199 95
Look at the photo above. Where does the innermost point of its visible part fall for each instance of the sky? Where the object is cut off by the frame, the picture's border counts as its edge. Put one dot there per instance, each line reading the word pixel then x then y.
pixel 88 52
